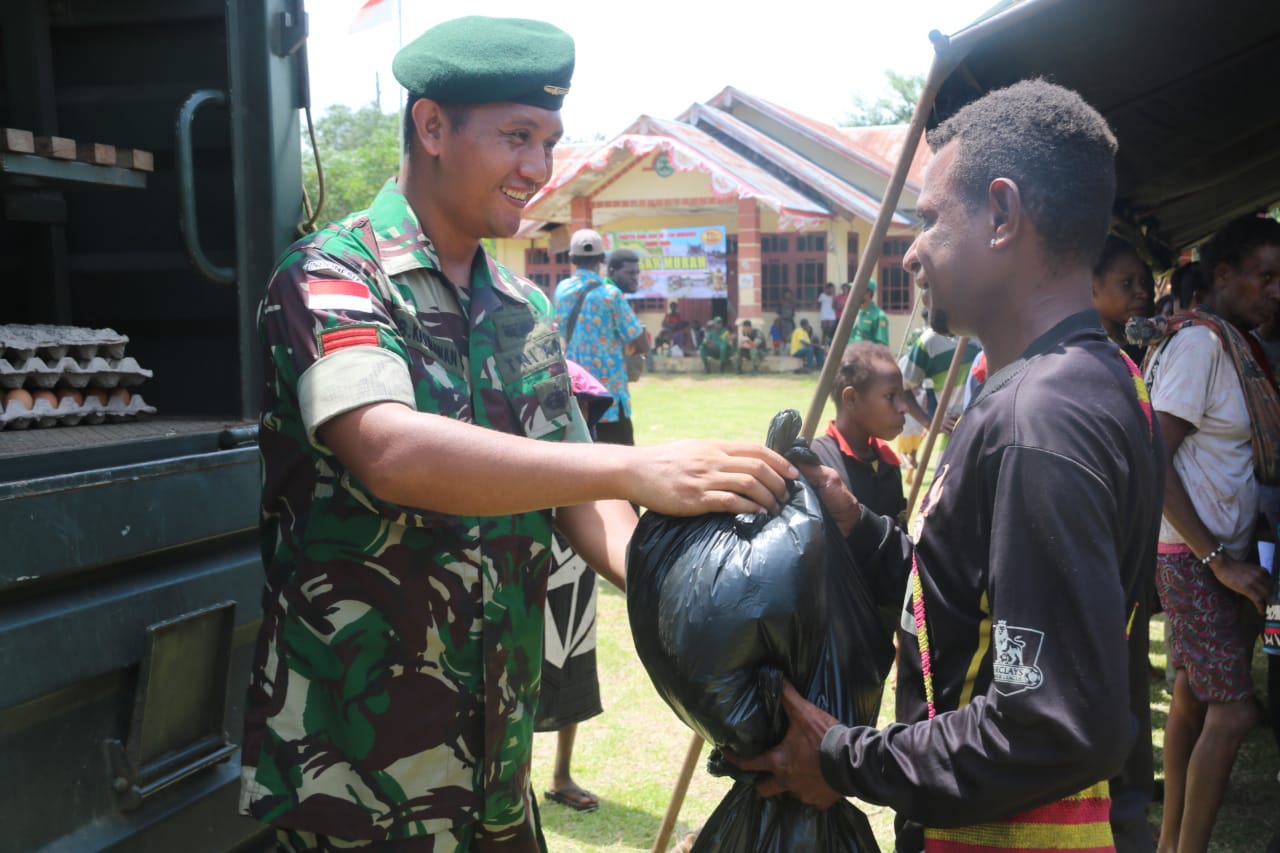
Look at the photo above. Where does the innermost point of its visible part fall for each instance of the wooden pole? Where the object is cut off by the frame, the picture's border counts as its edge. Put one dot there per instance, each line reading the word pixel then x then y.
pixel 871 251
pixel 677 796
pixel 935 424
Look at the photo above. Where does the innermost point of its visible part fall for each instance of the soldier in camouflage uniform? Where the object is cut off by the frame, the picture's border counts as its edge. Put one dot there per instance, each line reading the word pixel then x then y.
pixel 406 527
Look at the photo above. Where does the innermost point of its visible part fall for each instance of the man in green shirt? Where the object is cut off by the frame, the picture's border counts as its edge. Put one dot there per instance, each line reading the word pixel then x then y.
pixel 717 346
pixel 418 427
pixel 872 324
pixel 750 346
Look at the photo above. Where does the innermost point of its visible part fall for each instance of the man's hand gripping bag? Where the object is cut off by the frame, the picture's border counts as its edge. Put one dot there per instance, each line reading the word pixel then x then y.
pixel 722 607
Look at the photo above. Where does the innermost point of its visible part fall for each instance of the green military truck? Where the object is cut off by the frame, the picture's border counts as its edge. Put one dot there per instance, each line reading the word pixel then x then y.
pixel 150 176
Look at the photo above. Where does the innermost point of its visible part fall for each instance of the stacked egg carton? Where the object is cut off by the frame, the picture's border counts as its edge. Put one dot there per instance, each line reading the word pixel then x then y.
pixel 51 375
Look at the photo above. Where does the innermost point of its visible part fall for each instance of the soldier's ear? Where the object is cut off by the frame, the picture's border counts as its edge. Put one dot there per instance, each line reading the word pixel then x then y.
pixel 429 125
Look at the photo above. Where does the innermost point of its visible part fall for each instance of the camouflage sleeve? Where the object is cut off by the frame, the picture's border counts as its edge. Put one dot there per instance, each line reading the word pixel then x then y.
pixel 334 327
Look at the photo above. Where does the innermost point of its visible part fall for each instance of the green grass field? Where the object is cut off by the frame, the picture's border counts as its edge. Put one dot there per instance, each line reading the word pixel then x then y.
pixel 631 755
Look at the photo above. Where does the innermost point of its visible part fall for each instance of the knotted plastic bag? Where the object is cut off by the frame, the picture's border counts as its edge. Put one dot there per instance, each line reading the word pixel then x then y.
pixel 721 608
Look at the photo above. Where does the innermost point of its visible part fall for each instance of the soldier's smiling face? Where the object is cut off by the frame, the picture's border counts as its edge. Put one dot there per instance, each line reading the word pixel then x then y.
pixel 493 163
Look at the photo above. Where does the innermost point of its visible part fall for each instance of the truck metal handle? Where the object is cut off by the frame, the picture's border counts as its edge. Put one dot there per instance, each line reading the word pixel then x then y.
pixel 187 187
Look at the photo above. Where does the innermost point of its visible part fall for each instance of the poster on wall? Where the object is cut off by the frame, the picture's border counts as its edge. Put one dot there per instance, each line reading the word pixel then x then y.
pixel 678 263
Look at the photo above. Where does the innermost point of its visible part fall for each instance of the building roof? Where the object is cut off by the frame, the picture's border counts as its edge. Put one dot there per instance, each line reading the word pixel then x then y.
pixel 886 141
pixel 807 171
pixel 688 149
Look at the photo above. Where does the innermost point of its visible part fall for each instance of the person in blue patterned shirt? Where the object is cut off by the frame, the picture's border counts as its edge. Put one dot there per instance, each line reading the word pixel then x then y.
pixel 605 330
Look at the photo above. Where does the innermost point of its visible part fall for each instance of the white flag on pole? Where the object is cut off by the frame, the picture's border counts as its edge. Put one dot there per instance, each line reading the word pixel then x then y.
pixel 372 13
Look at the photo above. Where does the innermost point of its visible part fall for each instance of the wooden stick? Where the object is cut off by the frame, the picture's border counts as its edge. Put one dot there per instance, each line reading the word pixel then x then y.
pixel 57 147
pixel 17 141
pixel 935 425
pixel 677 796
pixel 135 158
pixel 96 152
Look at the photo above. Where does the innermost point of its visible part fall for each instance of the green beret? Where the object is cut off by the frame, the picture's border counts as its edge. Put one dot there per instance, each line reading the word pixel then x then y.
pixel 477 60
pixel 871 286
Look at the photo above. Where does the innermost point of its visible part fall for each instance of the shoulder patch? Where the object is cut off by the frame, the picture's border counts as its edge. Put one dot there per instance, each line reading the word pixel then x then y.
pixel 345 337
pixel 314 264
pixel 338 295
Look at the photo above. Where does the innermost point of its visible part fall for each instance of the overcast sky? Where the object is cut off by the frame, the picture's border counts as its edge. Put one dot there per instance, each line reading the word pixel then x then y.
pixel 659 58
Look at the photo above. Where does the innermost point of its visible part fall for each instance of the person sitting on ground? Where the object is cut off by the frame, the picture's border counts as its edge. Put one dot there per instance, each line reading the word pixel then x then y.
pixel 1121 283
pixel 717 347
pixel 1219 414
pixel 750 346
pixel 871 411
pixel 803 347
pixel 672 321
pixel 685 339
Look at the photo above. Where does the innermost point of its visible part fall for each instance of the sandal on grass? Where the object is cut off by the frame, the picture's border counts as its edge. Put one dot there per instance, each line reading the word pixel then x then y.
pixel 576 798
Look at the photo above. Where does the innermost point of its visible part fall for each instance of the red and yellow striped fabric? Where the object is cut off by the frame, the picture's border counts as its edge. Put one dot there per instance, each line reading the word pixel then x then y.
pixel 1080 824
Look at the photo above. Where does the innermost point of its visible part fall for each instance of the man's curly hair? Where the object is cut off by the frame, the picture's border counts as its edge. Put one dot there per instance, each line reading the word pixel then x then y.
pixel 1235 240
pixel 1054 146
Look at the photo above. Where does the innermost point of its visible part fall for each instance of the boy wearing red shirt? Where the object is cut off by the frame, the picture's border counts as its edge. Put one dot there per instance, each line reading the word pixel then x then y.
pixel 871 410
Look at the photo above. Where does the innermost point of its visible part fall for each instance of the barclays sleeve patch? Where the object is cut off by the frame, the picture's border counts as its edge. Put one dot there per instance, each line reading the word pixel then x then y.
pixel 1017 650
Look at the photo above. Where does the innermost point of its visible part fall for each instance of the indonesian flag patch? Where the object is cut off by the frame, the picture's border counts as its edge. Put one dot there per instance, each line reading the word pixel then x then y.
pixel 338 295
pixel 345 337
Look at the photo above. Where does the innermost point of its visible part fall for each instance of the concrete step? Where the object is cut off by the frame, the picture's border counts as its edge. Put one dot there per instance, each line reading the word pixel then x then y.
pixel 693 364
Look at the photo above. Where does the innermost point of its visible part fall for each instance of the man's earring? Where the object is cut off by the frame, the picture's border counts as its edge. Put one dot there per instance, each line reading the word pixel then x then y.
pixel 993 242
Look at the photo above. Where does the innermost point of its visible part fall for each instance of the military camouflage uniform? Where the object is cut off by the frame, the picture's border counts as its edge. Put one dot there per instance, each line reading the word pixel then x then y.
pixel 397 669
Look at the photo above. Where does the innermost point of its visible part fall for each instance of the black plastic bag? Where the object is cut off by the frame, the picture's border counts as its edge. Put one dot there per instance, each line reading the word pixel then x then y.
pixel 721 607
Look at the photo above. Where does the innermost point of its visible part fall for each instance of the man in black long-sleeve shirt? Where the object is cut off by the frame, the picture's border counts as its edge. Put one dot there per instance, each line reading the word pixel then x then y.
pixel 1022 673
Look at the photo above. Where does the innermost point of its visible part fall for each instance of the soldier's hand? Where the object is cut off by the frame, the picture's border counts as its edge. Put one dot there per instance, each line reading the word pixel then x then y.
pixel 696 477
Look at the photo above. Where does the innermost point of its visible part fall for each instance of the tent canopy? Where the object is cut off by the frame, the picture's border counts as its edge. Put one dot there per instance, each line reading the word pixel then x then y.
pixel 1188 86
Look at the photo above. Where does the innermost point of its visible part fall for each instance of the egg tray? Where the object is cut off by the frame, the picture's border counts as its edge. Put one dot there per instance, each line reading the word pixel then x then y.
pixel 14 415
pixel 37 372
pixel 54 343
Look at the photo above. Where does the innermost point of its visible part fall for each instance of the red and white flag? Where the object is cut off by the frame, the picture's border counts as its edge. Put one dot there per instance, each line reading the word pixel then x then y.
pixel 339 295
pixel 372 13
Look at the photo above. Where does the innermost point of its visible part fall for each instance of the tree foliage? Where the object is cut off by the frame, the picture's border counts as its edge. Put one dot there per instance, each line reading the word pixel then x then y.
pixel 359 150
pixel 893 108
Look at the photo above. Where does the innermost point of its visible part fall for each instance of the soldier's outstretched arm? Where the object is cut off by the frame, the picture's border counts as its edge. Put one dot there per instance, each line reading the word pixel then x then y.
pixel 436 463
